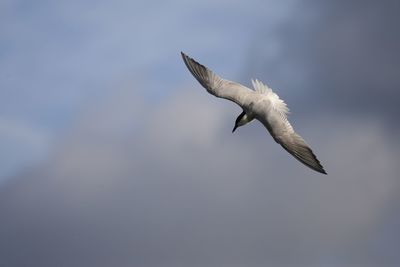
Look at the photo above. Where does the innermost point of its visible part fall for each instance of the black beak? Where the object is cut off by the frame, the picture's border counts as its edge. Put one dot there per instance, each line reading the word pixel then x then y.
pixel 234 128
pixel 238 120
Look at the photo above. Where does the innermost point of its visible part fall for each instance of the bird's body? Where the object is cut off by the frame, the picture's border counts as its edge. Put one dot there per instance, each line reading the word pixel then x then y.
pixel 261 104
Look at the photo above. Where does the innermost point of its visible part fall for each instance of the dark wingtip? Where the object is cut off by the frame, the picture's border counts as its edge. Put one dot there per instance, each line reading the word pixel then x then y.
pixel 320 169
pixel 186 60
pixel 184 56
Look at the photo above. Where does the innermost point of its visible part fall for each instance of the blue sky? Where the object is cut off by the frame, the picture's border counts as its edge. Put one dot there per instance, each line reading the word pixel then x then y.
pixel 58 57
pixel 113 155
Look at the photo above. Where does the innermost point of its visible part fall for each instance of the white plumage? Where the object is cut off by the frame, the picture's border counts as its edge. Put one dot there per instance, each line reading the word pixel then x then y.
pixel 261 104
pixel 277 104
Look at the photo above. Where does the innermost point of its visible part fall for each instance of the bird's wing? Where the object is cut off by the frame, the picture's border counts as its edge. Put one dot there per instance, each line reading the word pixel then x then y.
pixel 273 115
pixel 295 145
pixel 214 84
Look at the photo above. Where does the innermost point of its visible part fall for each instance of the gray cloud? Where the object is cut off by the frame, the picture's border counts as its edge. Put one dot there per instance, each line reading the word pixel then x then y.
pixel 183 192
pixel 342 54
pixel 160 181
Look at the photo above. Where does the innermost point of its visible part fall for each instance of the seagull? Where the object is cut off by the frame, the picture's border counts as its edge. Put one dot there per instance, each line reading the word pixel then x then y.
pixel 261 104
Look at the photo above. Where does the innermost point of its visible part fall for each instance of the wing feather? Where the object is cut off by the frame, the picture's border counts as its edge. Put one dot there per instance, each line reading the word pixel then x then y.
pixel 272 112
pixel 276 103
pixel 273 116
pixel 214 84
pixel 295 145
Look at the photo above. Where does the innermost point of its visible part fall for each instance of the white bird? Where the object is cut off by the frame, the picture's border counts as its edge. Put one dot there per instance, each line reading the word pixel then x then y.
pixel 261 104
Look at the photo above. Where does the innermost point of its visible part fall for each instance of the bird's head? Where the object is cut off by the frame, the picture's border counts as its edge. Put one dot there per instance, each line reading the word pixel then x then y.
pixel 241 120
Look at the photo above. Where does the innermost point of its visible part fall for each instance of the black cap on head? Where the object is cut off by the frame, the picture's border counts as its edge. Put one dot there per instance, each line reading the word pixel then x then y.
pixel 237 120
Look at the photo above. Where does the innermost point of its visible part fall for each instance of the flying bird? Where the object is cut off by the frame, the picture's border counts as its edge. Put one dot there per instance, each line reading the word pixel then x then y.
pixel 261 104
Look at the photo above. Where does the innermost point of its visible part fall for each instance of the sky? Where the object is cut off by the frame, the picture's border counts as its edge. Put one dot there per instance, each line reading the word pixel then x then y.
pixel 113 154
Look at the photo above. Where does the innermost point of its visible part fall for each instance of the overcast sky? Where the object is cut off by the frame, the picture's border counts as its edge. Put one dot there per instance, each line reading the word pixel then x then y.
pixel 113 155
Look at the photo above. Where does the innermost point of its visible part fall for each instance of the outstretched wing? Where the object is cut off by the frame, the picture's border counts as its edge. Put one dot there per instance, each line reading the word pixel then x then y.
pixel 214 84
pixel 273 115
pixel 295 145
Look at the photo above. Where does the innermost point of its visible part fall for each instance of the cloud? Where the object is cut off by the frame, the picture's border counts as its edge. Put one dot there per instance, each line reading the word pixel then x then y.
pixel 149 178
pixel 19 143
pixel 342 55
pixel 182 190
pixel 55 59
